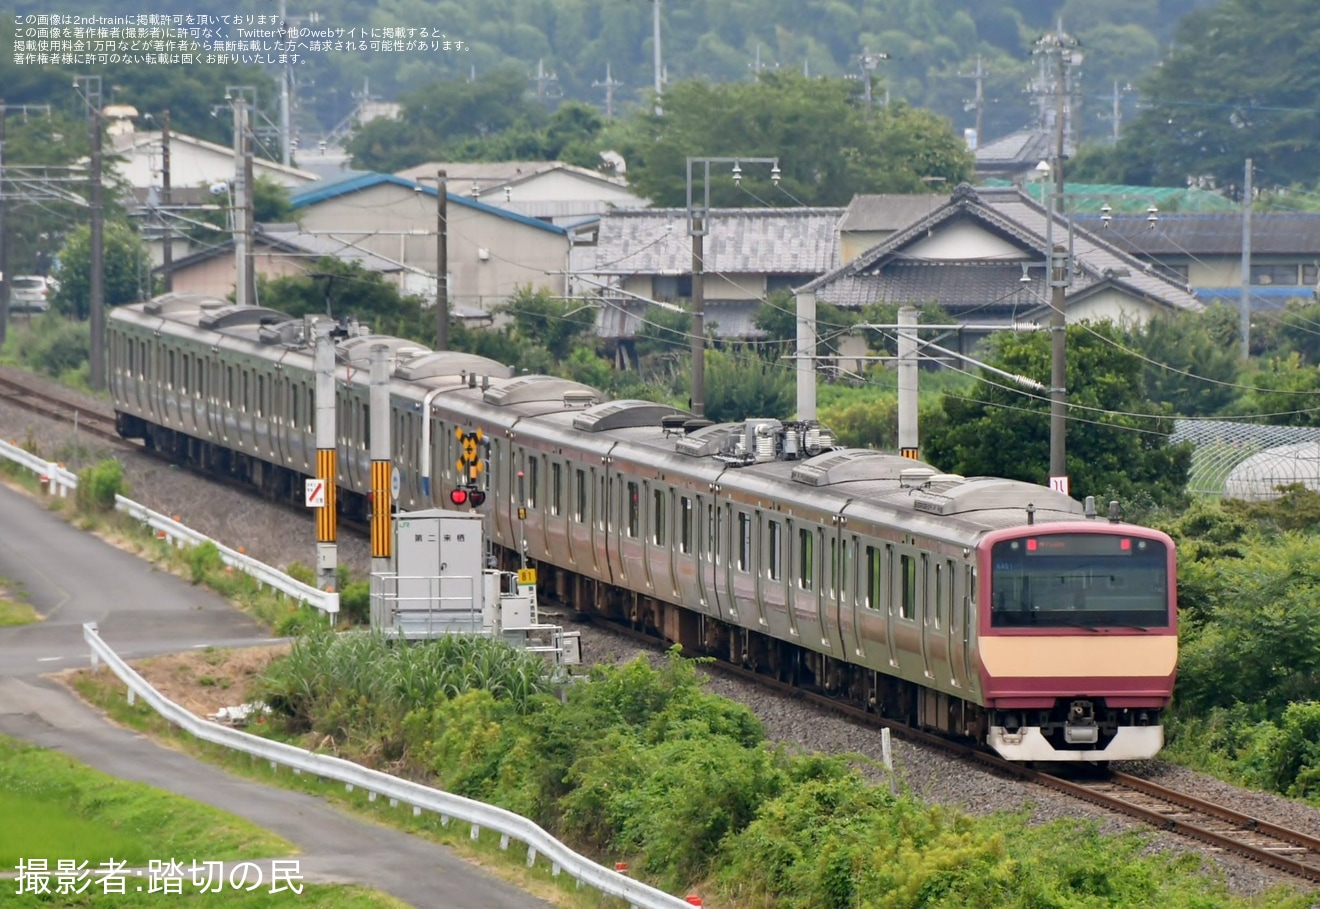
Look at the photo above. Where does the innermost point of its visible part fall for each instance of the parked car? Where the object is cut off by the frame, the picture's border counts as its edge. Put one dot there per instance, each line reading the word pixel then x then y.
pixel 30 293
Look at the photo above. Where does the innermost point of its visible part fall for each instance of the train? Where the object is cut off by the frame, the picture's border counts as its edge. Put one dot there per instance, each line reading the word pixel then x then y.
pixel 982 608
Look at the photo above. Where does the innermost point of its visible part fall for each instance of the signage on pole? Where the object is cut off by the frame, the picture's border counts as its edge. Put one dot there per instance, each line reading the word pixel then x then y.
pixel 314 491
pixel 396 483
pixel 1059 484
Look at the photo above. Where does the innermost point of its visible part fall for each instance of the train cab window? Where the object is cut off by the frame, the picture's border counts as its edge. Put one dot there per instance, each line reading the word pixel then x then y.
pixel 581 512
pixel 806 558
pixel 774 548
pixel 658 517
pixel 684 524
pixel 744 542
pixel 634 509
pixel 874 577
pixel 556 488
pixel 533 480
pixel 907 605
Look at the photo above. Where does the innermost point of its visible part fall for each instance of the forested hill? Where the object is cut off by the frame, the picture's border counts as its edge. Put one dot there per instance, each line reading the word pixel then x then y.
pixel 931 46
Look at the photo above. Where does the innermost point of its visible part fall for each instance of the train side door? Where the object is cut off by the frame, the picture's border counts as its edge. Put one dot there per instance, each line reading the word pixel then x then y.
pixel 928 569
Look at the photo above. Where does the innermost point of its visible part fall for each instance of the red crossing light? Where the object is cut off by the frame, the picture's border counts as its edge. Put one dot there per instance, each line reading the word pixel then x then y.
pixel 476 497
pixel 458 496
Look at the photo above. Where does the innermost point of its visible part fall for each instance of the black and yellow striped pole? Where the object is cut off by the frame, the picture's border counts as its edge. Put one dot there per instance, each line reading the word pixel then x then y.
pixel 381 467
pixel 327 553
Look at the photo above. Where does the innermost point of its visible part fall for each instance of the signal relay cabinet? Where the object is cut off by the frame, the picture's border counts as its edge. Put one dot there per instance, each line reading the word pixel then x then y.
pixel 439 584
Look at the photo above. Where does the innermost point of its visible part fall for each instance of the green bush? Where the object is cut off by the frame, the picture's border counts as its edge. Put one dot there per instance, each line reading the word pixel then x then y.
pixel 355 602
pixel 301 621
pixel 53 346
pixel 99 484
pixel 203 561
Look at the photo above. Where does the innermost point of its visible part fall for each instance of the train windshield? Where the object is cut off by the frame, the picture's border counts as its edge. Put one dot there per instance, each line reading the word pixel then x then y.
pixel 1079 580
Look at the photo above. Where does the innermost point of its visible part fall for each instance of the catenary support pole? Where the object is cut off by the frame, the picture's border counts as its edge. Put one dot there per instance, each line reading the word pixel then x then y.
pixel 806 355
pixel 908 440
pixel 327 553
pixel 1244 305
pixel 381 467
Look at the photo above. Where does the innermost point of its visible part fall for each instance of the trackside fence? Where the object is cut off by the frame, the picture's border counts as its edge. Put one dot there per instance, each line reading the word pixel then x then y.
pixel 58 481
pixel 420 798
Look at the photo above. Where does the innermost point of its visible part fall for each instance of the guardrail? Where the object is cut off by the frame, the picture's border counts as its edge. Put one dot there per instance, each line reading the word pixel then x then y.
pixel 178 534
pixel 60 481
pixel 480 816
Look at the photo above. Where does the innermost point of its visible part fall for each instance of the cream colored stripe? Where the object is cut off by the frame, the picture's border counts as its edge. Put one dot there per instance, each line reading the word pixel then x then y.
pixel 1078 657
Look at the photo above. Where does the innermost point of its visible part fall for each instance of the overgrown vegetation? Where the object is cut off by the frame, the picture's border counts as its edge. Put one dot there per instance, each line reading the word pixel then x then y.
pixel 50 345
pixel 640 764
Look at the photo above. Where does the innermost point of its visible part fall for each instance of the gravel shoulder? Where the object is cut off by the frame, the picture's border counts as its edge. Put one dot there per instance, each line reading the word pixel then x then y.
pixel 275 535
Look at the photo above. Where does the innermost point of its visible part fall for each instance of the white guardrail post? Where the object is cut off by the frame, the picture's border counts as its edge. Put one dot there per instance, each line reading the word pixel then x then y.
pixel 354 776
pixel 59 481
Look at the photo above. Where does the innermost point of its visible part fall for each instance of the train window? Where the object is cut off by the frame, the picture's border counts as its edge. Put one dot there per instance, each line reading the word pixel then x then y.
pixel 247 391
pixel 845 567
pixel 199 387
pixel 132 359
pixel 142 360
pixel 658 517
pixel 603 516
pixel 261 396
pixel 311 407
pixel 832 580
pixel 581 513
pixel 713 532
pixel 556 488
pixel 744 541
pixel 634 509
pixel 169 374
pixel 365 410
pixel 907 604
pixel 293 406
pixel 684 524
pixel 773 549
pixel 874 577
pixel 940 584
pixel 533 480
pixel 231 388
pixel 806 558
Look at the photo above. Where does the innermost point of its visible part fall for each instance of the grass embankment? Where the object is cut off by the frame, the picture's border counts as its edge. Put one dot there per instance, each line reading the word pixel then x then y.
pixel 13 609
pixel 641 765
pixel 57 809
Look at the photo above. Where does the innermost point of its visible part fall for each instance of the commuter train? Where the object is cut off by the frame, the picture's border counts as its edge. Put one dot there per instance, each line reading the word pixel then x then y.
pixel 987 608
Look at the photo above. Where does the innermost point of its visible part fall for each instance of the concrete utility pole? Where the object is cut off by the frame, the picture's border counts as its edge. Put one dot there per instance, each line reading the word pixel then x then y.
pixel 697 216
pixel 978 102
pixel 238 202
pixel 96 284
pixel 610 84
pixel 1244 305
pixel 806 355
pixel 286 146
pixel 655 46
pixel 869 62
pixel 167 250
pixel 908 440
pixel 327 551
pixel 442 262
pixel 4 235
pixel 381 464
pixel 543 81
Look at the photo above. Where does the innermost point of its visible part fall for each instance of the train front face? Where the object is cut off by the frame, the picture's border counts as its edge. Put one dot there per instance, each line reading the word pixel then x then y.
pixel 1077 640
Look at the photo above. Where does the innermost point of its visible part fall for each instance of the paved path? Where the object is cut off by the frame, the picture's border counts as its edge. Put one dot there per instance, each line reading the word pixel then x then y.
pixel 72 577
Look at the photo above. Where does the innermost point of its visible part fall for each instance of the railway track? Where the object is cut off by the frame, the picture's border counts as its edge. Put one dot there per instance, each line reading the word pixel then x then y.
pixel 1225 830
pixel 55 408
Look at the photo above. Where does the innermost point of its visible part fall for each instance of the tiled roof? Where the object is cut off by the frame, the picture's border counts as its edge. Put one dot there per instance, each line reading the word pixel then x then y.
pixel 1276 297
pixel 958 287
pixel 1219 234
pixel 322 190
pixel 1016 218
pixel 888 211
pixel 1026 146
pixel 489 175
pixel 786 241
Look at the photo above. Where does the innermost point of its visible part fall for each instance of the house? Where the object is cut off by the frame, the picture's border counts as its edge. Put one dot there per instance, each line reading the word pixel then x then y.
pixel 1204 251
pixel 1014 157
pixel 870 219
pixel 981 256
pixel 491 252
pixel 278 250
pixel 136 157
pixel 638 258
pixel 551 190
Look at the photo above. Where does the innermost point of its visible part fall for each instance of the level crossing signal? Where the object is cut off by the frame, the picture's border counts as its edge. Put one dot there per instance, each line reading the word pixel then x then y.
pixel 470 466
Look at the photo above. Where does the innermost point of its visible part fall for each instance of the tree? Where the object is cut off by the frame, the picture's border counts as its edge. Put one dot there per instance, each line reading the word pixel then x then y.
pixel 741 384
pixel 346 289
pixel 1241 82
pixel 270 201
pixel 828 148
pixel 1117 439
pixel 560 326
pixel 1192 359
pixel 127 269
